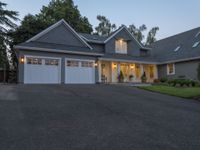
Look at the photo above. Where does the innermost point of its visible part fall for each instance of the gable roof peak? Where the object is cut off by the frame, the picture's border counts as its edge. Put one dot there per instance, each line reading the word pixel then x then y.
pixel 62 21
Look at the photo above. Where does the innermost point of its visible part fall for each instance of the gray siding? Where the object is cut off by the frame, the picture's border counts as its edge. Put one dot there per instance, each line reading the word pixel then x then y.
pixel 187 69
pixel 61 35
pixel 133 47
pixel 98 47
pixel 45 54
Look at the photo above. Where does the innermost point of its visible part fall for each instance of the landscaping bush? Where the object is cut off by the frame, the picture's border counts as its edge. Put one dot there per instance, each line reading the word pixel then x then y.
pixel 198 72
pixel 183 82
pixel 163 80
pixel 156 81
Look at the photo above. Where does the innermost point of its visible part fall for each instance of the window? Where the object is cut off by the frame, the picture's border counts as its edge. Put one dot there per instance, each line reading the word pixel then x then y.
pixel 176 49
pixel 34 61
pixel 151 72
pixel 121 46
pixel 196 44
pixel 137 71
pixel 72 63
pixel 171 69
pixel 52 62
pixel 86 64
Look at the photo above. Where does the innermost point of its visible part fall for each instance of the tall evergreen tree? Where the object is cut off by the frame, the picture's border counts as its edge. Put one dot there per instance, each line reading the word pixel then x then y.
pixel 6 21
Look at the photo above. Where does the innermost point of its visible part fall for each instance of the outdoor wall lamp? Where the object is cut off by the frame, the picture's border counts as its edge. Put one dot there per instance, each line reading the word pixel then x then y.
pixel 22 60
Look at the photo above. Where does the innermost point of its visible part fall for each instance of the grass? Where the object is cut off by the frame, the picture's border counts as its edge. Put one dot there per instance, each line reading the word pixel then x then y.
pixel 189 92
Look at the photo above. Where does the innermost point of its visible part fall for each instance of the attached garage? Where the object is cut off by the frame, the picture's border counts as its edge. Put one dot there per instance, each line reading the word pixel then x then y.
pixel 79 71
pixel 42 70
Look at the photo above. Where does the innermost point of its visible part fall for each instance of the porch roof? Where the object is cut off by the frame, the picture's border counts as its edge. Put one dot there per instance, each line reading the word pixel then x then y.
pixel 126 58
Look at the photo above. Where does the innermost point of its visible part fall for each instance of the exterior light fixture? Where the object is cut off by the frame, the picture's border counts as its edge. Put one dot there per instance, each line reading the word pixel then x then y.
pixel 22 60
pixel 114 66
pixel 95 64
pixel 132 66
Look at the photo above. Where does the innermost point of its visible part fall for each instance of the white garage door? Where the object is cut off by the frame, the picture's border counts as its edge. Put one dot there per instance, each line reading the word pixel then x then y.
pixel 79 72
pixel 42 70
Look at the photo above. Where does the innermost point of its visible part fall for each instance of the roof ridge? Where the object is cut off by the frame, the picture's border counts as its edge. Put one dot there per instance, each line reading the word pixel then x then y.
pixel 178 34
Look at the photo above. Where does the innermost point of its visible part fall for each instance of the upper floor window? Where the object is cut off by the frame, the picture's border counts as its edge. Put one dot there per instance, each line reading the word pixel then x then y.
pixel 121 46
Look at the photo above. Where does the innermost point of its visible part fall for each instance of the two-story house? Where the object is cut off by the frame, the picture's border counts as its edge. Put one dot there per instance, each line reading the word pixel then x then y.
pixel 61 55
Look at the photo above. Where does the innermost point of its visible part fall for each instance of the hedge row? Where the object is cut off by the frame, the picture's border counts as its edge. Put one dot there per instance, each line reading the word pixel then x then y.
pixel 178 82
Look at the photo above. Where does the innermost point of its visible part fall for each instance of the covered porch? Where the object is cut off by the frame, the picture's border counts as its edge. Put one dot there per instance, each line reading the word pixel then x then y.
pixel 109 71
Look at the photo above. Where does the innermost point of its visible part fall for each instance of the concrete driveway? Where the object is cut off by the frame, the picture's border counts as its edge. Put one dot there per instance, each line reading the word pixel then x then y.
pixel 95 117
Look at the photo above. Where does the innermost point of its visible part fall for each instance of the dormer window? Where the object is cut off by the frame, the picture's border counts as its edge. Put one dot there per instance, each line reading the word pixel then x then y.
pixel 121 46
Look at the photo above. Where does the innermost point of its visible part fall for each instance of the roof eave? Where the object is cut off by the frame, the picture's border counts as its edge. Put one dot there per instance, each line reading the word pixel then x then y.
pixel 56 50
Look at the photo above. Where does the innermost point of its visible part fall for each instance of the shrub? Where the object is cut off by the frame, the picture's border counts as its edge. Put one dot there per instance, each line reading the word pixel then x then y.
pixel 121 77
pixel 144 78
pixel 164 79
pixel 198 72
pixel 156 81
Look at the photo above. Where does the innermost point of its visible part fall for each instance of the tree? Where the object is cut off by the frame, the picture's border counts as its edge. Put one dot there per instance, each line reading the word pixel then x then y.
pixel 138 32
pixel 105 27
pixel 151 37
pixel 6 21
pixel 55 11
pixel 65 9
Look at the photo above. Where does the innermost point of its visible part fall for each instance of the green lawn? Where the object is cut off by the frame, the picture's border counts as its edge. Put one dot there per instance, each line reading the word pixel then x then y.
pixel 175 91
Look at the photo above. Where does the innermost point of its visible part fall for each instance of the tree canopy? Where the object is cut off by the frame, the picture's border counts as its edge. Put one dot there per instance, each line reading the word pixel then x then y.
pixel 6 22
pixel 105 27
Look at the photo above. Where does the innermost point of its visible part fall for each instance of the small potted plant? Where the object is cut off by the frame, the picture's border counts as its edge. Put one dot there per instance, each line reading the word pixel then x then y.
pixel 144 78
pixel 121 77
pixel 131 77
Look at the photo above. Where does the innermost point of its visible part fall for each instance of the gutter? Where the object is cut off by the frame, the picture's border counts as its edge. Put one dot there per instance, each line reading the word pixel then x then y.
pixel 57 51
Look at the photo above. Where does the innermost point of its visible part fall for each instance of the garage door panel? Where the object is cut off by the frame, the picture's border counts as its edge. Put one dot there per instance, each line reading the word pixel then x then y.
pixel 41 73
pixel 77 72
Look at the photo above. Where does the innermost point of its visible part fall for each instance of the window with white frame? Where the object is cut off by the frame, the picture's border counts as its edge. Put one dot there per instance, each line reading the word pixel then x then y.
pixel 170 69
pixel 87 64
pixel 34 61
pixel 121 46
pixel 51 62
pixel 72 63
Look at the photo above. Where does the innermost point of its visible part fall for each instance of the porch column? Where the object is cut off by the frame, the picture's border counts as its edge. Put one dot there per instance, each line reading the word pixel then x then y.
pixel 99 71
pixel 142 69
pixel 118 68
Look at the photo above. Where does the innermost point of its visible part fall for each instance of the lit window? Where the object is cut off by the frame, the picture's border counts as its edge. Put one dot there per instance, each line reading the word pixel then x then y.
pixel 196 44
pixel 121 46
pixel 72 63
pixel 34 61
pixel 170 69
pixel 51 62
pixel 151 72
pixel 137 71
pixel 176 49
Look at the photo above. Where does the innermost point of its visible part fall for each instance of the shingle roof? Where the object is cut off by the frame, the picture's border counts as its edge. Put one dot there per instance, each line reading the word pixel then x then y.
pixel 93 38
pixel 125 57
pixel 56 47
pixel 164 50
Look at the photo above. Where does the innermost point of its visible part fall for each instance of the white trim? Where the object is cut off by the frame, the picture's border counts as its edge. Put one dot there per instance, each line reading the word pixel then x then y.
pixel 57 51
pixel 54 26
pixel 45 57
pixel 179 60
pixel 174 70
pixel 123 60
pixel 124 27
pixel 109 38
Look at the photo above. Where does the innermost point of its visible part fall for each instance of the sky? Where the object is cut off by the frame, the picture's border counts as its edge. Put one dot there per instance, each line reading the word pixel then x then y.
pixel 171 16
